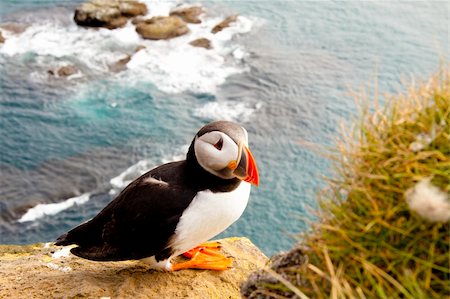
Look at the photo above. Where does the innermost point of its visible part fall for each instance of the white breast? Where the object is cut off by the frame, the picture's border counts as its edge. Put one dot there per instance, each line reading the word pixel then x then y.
pixel 208 215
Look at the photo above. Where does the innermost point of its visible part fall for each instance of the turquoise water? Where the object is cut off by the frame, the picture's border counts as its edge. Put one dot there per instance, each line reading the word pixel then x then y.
pixel 284 74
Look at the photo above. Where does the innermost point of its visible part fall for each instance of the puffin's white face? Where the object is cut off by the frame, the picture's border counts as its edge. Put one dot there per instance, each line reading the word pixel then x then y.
pixel 226 156
pixel 215 151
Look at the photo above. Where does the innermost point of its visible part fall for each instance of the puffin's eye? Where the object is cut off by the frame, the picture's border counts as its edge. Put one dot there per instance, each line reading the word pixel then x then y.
pixel 219 144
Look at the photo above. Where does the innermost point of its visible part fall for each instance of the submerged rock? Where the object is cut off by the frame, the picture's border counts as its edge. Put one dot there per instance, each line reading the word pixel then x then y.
pixel 188 14
pixel 64 71
pixel 161 28
pixel 224 24
pixel 120 65
pixel 108 13
pixel 132 8
pixel 202 43
pixel 15 28
pixel 138 48
pixel 37 271
pixel 67 70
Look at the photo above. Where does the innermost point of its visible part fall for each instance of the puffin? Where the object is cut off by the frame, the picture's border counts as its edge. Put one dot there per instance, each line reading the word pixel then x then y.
pixel 176 208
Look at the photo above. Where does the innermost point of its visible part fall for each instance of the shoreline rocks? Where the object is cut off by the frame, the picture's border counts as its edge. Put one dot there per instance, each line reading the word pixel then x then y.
pixel 109 14
pixel 158 28
pixel 224 24
pixel 64 71
pixel 202 43
pixel 188 14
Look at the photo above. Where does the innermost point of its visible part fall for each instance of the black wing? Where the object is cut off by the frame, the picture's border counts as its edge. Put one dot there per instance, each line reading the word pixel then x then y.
pixel 139 222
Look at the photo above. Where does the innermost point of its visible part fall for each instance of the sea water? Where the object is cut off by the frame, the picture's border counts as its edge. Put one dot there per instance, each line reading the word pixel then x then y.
pixel 284 70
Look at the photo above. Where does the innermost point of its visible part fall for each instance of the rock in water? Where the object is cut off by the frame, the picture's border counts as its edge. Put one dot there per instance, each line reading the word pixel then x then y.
pixel 64 71
pixel 91 15
pixel 36 271
pixel 224 24
pixel 202 43
pixel 120 65
pixel 110 14
pixel 132 8
pixel 161 28
pixel 14 28
pixel 188 14
pixel 2 39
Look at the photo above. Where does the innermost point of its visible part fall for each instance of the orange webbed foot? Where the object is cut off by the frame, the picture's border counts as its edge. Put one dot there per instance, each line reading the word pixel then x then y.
pixel 209 246
pixel 206 257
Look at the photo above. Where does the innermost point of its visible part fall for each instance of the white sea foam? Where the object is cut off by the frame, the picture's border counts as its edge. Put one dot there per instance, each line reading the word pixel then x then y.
pixel 41 210
pixel 55 44
pixel 171 65
pixel 232 111
pixel 117 183
pixel 175 66
pixel 131 173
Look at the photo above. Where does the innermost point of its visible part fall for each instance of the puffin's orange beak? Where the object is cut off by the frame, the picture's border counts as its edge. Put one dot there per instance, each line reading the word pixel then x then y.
pixel 246 170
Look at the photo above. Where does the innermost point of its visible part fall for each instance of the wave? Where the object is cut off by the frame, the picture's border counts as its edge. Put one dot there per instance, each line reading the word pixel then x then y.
pixel 131 173
pixel 172 65
pixel 117 184
pixel 42 210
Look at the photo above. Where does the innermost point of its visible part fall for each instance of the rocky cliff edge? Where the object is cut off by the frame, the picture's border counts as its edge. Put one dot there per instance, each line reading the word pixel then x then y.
pixel 48 271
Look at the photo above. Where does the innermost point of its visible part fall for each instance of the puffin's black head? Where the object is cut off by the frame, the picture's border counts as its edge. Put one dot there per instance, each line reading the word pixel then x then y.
pixel 221 148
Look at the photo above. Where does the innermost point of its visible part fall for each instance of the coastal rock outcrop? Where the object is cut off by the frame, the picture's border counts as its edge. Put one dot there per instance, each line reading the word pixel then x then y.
pixel 202 43
pixel 188 14
pixel 110 14
pixel 2 39
pixel 224 24
pixel 161 27
pixel 46 271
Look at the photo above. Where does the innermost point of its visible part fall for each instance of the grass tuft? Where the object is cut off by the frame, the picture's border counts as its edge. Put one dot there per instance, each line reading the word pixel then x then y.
pixel 369 242
pixel 383 229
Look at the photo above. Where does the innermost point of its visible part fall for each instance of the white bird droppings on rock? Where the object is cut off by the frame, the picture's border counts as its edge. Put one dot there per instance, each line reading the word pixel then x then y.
pixel 59 268
pixel 63 252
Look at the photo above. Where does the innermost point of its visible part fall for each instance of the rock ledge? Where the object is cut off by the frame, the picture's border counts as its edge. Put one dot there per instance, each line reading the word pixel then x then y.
pixel 44 271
